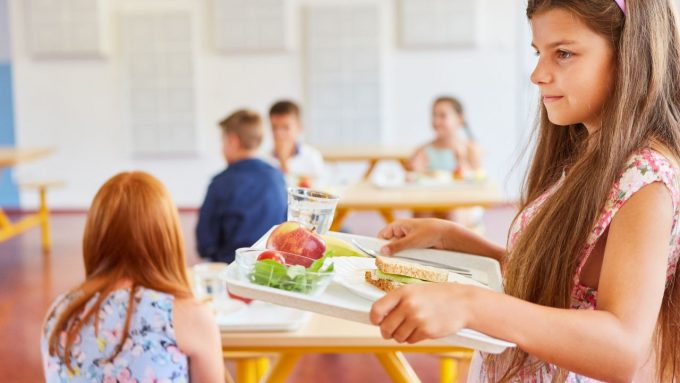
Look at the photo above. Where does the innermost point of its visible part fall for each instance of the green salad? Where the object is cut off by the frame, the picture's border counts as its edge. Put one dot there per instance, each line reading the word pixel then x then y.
pixel 268 272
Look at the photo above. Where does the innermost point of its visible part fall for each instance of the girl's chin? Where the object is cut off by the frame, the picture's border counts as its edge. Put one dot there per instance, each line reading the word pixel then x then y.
pixel 561 120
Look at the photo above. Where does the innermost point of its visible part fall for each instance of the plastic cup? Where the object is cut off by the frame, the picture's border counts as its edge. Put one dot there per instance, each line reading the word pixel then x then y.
pixel 207 283
pixel 312 208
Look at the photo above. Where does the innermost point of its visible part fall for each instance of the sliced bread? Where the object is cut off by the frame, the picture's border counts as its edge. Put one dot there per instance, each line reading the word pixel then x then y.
pixel 383 284
pixel 397 266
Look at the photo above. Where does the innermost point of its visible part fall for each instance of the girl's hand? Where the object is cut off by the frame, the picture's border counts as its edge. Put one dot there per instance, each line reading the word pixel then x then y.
pixel 413 233
pixel 414 313
pixel 423 233
pixel 418 162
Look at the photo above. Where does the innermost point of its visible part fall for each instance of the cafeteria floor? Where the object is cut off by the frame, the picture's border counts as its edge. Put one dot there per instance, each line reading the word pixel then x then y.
pixel 29 282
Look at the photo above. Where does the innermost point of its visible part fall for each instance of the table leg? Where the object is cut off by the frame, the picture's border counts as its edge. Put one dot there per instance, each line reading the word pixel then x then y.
pixel 369 170
pixel 283 367
pixel 387 214
pixel 44 215
pixel 405 164
pixel 246 370
pixel 397 367
pixel 262 366
pixel 448 368
pixel 338 219
pixel 4 220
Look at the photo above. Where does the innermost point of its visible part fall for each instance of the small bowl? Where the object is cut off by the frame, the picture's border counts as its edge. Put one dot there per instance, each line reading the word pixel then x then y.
pixel 291 275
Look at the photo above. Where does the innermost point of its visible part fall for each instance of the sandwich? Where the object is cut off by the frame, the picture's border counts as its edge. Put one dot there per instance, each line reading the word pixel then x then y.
pixel 392 273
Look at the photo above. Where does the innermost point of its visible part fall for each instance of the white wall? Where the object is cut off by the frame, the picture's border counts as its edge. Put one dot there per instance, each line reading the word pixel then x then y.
pixel 4 40
pixel 78 106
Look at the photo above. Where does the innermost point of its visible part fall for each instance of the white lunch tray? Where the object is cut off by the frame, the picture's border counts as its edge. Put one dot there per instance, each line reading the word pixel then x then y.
pixel 339 302
pixel 263 317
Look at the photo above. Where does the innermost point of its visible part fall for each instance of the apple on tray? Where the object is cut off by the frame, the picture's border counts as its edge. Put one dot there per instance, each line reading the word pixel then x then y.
pixel 273 255
pixel 293 237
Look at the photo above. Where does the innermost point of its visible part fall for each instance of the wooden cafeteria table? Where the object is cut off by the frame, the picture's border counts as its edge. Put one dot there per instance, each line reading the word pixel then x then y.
pixel 11 156
pixel 364 196
pixel 323 334
pixel 371 154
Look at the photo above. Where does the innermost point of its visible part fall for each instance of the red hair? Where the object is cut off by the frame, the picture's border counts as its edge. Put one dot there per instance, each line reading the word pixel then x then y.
pixel 132 233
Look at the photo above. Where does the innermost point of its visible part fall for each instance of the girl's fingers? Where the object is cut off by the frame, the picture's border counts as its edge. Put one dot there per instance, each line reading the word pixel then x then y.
pixel 386 232
pixel 392 322
pixel 397 245
pixel 383 306
pixel 404 331
pixel 416 336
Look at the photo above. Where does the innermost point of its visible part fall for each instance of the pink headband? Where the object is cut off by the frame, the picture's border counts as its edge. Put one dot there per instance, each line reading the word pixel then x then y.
pixel 621 4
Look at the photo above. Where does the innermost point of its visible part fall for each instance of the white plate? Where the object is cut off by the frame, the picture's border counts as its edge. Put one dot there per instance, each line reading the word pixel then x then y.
pixel 349 272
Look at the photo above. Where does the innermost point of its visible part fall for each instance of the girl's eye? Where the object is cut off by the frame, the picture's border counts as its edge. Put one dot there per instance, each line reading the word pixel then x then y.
pixel 564 54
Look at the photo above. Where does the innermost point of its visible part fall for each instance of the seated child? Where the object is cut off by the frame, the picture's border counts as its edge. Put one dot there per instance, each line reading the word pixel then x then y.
pixel 301 163
pixel 449 154
pixel 134 318
pixel 245 200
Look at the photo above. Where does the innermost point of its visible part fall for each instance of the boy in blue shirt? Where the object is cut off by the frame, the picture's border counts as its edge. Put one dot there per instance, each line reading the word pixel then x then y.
pixel 246 199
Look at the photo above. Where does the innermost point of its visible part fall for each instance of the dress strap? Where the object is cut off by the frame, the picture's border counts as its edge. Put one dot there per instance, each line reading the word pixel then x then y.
pixel 643 168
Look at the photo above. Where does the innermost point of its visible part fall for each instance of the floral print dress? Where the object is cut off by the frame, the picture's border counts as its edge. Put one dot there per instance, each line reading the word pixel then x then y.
pixel 643 168
pixel 149 355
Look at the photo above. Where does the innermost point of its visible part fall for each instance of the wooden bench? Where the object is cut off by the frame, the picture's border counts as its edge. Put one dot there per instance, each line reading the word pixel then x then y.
pixel 9 229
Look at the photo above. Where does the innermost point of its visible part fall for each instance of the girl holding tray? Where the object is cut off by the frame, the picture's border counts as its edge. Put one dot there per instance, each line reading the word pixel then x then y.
pixel 590 267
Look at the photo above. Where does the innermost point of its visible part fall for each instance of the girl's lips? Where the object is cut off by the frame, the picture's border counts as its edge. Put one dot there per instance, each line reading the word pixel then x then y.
pixel 548 99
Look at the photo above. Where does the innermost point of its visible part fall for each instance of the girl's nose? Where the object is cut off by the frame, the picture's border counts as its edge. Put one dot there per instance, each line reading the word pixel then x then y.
pixel 541 74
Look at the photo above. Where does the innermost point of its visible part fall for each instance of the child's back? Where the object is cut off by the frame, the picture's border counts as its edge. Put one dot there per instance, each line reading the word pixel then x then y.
pixel 150 350
pixel 244 201
pixel 134 317
pixel 242 204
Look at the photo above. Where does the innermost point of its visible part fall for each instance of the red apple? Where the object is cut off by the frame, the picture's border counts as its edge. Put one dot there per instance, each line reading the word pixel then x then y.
pixel 294 238
pixel 273 255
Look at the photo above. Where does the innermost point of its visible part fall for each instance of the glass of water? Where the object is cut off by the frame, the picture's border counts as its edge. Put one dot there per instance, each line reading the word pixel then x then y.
pixel 207 283
pixel 312 208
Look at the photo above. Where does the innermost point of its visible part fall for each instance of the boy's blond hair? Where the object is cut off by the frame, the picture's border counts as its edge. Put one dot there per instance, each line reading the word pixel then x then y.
pixel 246 124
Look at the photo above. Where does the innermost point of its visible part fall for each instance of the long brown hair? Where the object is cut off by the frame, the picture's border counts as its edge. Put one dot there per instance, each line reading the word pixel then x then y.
pixel 643 108
pixel 132 233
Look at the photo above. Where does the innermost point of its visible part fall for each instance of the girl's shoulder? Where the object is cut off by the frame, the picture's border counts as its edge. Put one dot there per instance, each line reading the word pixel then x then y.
pixel 194 324
pixel 647 166
pixel 651 164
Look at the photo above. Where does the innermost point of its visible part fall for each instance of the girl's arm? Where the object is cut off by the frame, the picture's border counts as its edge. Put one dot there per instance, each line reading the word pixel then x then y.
pixel 419 161
pixel 438 234
pixel 609 344
pixel 461 154
pixel 475 155
pixel 199 338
